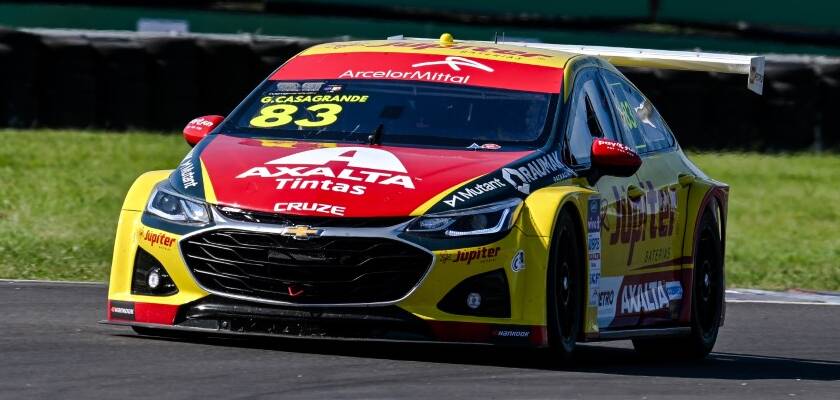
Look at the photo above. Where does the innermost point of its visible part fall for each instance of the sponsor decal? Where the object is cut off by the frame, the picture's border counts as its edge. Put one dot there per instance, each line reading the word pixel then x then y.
pixel 648 296
pixel 121 310
pixel 674 290
pixel 471 48
pixel 511 333
pixel 619 298
pixel 615 146
pixel 157 239
pixel 468 192
pixel 518 262
pixel 648 217
pixel 311 207
pixel 301 232
pixel 490 146
pixel 332 88
pixel 607 298
pixel 593 219
pixel 427 76
pixel 455 63
pixel 479 255
pixel 307 170
pixel 188 174
pixel 326 98
pixel 200 123
pixel 473 300
pixel 458 70
pixel 286 144
pixel 288 87
pixel 291 87
pixel 522 177
pixel 656 255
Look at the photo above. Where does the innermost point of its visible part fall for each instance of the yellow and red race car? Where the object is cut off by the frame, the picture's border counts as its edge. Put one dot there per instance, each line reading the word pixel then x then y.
pixel 437 190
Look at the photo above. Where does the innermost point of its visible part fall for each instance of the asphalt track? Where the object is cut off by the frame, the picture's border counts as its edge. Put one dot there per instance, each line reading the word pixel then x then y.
pixel 52 347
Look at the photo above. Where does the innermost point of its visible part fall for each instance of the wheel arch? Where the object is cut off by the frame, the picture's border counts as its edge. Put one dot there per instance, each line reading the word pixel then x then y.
pixel 539 218
pixel 705 196
pixel 124 240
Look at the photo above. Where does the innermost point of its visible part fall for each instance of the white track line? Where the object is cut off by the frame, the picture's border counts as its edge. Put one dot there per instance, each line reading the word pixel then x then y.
pixel 88 283
pixel 807 303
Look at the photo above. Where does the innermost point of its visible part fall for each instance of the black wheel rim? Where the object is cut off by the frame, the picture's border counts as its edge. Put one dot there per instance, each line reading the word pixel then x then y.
pixel 708 284
pixel 566 289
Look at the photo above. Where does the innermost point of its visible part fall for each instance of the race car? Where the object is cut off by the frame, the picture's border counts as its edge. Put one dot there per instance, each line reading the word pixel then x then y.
pixel 435 190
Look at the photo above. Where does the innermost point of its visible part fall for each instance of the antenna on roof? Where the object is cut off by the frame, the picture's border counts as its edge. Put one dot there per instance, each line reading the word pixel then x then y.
pixel 496 37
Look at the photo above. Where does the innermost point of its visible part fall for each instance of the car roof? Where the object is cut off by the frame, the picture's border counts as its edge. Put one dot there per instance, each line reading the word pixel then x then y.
pixel 482 50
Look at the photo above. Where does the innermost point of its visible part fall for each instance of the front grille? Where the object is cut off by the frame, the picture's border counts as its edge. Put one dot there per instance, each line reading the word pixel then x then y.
pixel 289 219
pixel 321 270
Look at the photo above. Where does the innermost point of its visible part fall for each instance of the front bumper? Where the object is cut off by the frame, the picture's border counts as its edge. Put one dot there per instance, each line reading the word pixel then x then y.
pixel 412 311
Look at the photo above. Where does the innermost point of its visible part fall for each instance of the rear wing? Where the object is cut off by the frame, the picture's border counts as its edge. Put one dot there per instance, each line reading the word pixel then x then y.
pixel 752 66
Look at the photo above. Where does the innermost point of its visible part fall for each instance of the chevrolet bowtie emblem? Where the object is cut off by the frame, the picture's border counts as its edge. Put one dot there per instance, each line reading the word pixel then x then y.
pixel 301 232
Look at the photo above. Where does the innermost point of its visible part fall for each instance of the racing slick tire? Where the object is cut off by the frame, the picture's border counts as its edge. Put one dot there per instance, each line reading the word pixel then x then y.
pixel 565 287
pixel 706 301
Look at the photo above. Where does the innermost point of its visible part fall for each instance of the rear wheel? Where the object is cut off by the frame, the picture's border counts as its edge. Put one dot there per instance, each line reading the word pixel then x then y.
pixel 706 301
pixel 565 287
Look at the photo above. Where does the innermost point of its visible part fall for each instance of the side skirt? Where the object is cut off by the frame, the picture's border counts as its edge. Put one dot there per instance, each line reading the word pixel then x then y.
pixel 641 333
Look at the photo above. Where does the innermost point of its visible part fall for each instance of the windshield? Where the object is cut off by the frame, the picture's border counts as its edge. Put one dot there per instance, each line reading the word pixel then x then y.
pixel 396 113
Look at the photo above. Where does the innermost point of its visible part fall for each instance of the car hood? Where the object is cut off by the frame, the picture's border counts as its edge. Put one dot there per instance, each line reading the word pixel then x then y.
pixel 329 179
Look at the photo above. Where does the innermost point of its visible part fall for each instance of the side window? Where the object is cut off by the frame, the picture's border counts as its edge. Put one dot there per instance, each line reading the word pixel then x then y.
pixel 588 118
pixel 646 131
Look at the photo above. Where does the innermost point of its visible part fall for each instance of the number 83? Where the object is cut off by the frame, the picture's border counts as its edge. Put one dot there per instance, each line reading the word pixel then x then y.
pixel 281 114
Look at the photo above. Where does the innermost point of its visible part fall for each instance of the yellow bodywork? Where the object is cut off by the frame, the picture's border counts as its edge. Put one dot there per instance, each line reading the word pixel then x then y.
pixel 532 232
pixel 129 237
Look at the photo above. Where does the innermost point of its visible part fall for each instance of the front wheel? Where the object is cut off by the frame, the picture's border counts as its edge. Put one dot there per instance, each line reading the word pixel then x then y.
pixel 706 301
pixel 565 287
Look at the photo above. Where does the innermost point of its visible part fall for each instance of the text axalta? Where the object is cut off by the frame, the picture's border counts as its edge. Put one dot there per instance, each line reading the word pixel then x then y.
pixel 364 166
pixel 649 296
pixel 293 178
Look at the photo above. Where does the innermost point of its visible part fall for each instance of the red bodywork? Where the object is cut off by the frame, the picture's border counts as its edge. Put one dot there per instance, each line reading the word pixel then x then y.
pixel 381 181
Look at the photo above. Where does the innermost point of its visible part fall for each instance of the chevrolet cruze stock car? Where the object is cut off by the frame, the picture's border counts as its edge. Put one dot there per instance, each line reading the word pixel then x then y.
pixel 443 190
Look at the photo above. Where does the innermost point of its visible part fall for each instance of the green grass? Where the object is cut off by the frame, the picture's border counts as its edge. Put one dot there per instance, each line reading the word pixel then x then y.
pixel 60 194
pixel 784 218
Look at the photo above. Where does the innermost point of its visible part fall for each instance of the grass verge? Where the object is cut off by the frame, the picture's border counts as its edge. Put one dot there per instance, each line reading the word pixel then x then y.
pixel 60 194
pixel 783 219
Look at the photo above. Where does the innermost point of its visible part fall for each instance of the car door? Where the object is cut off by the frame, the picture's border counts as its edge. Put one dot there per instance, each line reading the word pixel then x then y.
pixel 650 226
pixel 589 118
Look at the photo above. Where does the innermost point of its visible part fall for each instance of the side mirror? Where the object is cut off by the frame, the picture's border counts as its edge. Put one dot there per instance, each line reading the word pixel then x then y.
pixel 613 158
pixel 198 128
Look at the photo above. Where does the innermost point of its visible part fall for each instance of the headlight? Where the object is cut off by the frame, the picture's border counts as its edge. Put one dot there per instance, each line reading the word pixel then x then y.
pixel 484 220
pixel 174 207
